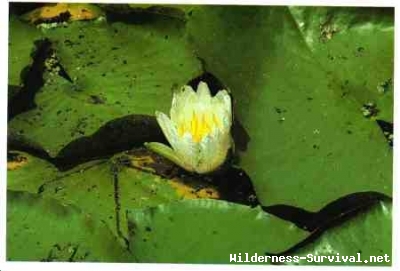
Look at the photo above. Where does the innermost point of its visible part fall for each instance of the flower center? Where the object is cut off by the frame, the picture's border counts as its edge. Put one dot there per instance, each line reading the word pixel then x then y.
pixel 199 126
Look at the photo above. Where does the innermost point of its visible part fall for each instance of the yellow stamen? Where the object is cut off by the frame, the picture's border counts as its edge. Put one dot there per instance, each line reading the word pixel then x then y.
pixel 199 126
pixel 207 121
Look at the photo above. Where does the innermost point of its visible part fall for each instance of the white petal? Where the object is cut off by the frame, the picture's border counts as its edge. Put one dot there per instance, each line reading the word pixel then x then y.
pixel 214 149
pixel 185 149
pixel 203 91
pixel 188 96
pixel 223 106
pixel 168 128
pixel 188 152
pixel 222 98
pixel 164 151
pixel 188 90
pixel 176 106
pixel 181 102
pixel 226 120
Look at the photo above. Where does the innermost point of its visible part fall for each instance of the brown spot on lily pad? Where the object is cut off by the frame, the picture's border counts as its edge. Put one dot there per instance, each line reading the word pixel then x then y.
pixel 50 12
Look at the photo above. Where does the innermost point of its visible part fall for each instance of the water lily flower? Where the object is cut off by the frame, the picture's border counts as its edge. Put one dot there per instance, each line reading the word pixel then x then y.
pixel 198 129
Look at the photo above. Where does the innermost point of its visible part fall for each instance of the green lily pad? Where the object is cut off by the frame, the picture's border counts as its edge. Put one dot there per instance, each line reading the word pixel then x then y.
pixel 105 189
pixel 20 46
pixel 359 41
pixel 117 69
pixel 364 237
pixel 27 173
pixel 43 229
pixel 309 144
pixel 206 231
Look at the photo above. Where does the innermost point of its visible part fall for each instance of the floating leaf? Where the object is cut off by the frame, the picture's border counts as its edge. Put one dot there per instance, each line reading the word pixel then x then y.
pixel 368 234
pixel 27 173
pixel 106 189
pixel 42 229
pixel 355 48
pixel 20 46
pixel 116 70
pixel 206 231
pixel 309 145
